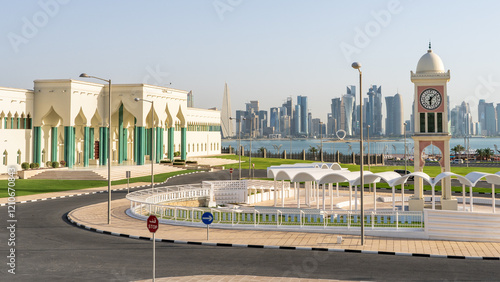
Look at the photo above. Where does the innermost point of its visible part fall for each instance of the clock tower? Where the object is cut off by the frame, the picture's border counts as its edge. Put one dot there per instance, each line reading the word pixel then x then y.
pixel 430 121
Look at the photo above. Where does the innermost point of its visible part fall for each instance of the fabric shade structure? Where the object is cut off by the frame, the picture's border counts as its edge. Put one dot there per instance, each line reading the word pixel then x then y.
pixel 329 173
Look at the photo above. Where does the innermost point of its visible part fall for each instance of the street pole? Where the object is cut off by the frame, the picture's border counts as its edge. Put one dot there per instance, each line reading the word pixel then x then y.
pixel 357 66
pixel 406 158
pixel 321 140
pixel 250 152
pixel 108 141
pixel 368 135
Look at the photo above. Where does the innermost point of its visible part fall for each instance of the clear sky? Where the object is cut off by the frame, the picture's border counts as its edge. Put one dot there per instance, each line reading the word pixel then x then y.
pixel 264 50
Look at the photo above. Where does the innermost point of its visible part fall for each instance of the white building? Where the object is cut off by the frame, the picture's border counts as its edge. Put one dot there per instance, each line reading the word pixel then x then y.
pixel 65 119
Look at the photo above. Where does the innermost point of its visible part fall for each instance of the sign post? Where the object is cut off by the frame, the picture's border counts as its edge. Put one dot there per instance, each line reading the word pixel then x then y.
pixel 127 175
pixel 207 218
pixel 253 171
pixel 231 172
pixel 152 224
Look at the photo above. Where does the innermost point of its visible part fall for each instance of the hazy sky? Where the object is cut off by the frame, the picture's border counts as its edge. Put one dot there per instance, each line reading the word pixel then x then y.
pixel 264 50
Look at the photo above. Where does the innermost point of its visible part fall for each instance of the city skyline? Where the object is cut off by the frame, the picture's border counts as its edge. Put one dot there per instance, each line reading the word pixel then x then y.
pixel 259 48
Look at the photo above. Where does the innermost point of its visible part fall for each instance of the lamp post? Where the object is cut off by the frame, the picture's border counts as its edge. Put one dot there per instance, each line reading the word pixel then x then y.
pixel 321 138
pixel 368 138
pixel 109 139
pixel 406 158
pixel 357 66
pixel 250 152
pixel 152 156
pixel 239 145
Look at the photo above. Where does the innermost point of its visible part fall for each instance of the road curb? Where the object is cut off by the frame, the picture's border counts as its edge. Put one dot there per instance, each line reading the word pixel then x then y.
pixel 276 247
pixel 92 193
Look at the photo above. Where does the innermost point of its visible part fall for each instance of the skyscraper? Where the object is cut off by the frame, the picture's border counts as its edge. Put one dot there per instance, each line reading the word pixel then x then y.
pixel 374 110
pixel 302 101
pixel 297 120
pixel 394 120
pixel 275 119
pixel 348 102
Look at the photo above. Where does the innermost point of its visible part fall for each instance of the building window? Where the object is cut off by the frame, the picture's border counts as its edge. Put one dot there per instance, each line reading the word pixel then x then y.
pixel 431 127
pixel 5 154
pixel 422 122
pixel 440 122
pixel 18 157
pixel 43 156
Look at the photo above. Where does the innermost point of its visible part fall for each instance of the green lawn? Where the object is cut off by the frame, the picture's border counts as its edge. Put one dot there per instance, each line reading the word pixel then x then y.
pixel 37 186
pixel 261 163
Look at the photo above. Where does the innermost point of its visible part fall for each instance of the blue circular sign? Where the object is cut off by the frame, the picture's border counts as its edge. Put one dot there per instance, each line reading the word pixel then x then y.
pixel 207 218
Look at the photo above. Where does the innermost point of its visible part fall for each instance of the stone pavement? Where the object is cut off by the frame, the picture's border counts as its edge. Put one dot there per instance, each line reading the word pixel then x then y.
pixel 95 216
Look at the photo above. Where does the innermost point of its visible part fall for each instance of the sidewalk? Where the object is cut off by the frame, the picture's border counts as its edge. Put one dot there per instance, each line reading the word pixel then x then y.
pixel 94 216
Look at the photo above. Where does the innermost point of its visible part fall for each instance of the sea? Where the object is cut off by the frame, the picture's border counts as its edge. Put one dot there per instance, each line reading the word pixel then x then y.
pixel 378 146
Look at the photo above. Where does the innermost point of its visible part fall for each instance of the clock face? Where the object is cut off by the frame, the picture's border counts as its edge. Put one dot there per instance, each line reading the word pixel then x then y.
pixel 430 99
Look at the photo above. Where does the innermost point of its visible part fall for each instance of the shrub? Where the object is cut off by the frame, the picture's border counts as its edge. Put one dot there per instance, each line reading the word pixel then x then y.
pixel 191 162
pixel 48 163
pixel 176 154
pixel 32 165
pixel 165 161
pixel 55 164
pixel 62 162
pixel 25 165
pixel 37 165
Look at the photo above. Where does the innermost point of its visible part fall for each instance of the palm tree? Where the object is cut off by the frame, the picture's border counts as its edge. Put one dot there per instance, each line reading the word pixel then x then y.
pixel 313 150
pixel 458 150
pixel 480 153
pixel 488 153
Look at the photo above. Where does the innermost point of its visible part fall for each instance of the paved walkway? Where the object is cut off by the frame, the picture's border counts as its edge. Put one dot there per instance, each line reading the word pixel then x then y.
pixel 95 216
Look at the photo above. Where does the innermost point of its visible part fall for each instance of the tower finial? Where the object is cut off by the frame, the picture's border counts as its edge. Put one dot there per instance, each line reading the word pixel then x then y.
pixel 430 44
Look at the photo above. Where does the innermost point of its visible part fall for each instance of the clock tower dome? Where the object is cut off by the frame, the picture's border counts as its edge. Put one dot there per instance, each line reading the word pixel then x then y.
pixel 431 124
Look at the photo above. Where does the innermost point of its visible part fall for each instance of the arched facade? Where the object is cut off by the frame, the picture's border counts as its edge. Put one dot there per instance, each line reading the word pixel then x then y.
pixel 70 123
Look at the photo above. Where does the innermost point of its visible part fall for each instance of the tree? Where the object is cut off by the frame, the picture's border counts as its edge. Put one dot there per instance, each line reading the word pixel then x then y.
pixel 488 153
pixel 458 150
pixel 262 150
pixel 480 153
pixel 313 150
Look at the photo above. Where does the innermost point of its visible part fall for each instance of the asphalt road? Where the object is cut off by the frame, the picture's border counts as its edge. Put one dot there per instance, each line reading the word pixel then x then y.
pixel 48 248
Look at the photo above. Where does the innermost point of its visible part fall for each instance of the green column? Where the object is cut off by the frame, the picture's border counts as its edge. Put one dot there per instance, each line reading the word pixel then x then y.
pixel 12 123
pixel 121 144
pixel 125 144
pixel 148 142
pixel 135 143
pixel 37 143
pixel 159 144
pixel 91 140
pixel 86 145
pixel 183 142
pixel 54 144
pixel 24 121
pixel 103 145
pixel 171 143
pixel 69 146
pixel 5 123
pixel 18 123
pixel 140 144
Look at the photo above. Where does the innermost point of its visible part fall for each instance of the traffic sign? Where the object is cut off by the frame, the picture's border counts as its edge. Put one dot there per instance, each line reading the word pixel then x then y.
pixel 152 223
pixel 207 218
pixel 230 170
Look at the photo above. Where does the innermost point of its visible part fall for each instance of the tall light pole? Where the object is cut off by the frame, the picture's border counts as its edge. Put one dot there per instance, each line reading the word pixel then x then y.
pixel 321 138
pixel 250 152
pixel 152 156
pixel 109 139
pixel 239 145
pixel 406 158
pixel 368 135
pixel 357 66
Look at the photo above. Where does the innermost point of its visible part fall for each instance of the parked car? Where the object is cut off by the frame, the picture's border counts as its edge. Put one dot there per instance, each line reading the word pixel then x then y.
pixel 458 161
pixel 403 172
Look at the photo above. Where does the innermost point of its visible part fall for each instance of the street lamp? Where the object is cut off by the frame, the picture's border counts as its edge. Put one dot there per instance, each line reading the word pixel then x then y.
pixel 239 145
pixel 357 66
pixel 151 156
pixel 406 158
pixel 109 139
pixel 368 132
pixel 321 138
